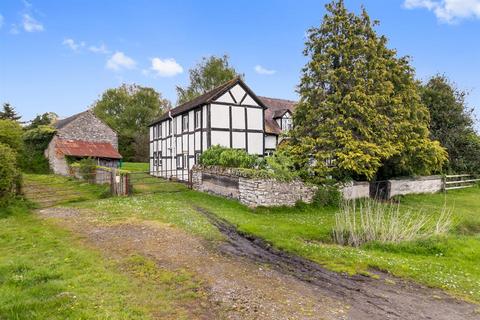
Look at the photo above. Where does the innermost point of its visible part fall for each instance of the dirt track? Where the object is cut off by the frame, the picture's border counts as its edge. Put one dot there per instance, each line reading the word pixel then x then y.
pixel 248 279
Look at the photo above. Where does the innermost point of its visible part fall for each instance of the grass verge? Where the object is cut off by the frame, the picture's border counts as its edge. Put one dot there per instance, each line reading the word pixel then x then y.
pixel 47 273
pixel 451 262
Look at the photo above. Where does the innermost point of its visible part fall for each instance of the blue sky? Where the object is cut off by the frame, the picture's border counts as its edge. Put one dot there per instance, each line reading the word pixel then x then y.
pixel 61 55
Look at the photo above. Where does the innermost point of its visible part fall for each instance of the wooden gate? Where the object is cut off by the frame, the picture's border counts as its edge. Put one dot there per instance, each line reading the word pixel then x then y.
pixel 459 181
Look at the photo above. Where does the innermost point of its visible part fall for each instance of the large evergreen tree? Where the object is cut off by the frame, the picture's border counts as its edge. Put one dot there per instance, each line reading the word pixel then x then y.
pixel 452 124
pixel 128 110
pixel 206 75
pixel 9 113
pixel 360 114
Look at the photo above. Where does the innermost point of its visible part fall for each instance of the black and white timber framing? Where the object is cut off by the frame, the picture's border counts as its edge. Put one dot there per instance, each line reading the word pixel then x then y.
pixel 230 115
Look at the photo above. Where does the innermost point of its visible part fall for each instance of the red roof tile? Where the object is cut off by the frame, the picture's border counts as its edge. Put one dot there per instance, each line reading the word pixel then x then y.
pixel 80 148
pixel 276 108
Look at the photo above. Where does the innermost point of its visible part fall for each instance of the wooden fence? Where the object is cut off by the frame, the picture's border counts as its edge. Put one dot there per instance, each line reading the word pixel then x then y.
pixel 459 181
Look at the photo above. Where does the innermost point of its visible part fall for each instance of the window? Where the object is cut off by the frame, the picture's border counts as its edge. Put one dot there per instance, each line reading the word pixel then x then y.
pixel 286 124
pixel 185 123
pixel 155 159
pixel 197 157
pixel 198 119
pixel 180 162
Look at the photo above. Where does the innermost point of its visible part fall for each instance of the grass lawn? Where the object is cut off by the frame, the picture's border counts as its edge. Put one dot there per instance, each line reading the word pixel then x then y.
pixel 46 273
pixel 135 166
pixel 49 189
pixel 451 262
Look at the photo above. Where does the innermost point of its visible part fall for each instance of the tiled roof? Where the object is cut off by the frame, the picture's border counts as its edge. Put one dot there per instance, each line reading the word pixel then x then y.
pixel 275 108
pixel 80 148
pixel 205 98
pixel 59 124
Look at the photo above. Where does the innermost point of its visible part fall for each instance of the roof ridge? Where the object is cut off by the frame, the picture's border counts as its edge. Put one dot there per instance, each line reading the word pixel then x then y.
pixel 264 97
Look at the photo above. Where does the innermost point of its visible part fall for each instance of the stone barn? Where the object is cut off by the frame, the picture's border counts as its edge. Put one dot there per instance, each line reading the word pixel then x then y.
pixel 82 135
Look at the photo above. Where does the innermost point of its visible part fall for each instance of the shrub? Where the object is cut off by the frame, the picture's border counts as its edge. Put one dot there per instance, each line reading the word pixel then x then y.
pixel 87 168
pixel 225 157
pixel 211 157
pixel 235 158
pixel 9 174
pixel 327 196
pixel 372 221
pixel 281 164
pixel 11 134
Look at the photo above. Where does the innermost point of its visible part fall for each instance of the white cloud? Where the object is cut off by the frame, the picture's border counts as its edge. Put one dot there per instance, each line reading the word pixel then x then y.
pixel 1 21
pixel 261 70
pixel 14 29
pixel 119 61
pixel 449 11
pixel 30 24
pixel 165 67
pixel 100 49
pixel 72 44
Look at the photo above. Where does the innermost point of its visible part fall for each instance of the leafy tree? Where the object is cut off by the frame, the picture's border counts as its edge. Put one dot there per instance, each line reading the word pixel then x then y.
pixel 11 134
pixel 9 113
pixel 208 74
pixel 452 124
pixel 46 119
pixel 128 110
pixel 141 147
pixel 360 114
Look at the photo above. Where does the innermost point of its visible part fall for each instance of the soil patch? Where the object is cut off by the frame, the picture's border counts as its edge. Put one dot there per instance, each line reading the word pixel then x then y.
pixel 383 298
pixel 237 286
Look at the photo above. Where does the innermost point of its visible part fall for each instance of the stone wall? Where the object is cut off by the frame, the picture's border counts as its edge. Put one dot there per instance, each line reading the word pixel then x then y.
pixel 57 161
pixel 428 184
pixel 355 190
pixel 88 127
pixel 252 192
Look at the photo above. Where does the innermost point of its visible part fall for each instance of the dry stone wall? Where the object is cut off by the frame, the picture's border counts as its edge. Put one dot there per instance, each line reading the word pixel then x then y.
pixel 252 192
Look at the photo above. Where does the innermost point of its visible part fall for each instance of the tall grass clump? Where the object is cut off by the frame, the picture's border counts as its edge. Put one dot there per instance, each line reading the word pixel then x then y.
pixel 366 221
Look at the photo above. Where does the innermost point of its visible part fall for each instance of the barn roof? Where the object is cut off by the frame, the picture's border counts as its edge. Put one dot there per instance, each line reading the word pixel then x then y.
pixel 80 148
pixel 59 124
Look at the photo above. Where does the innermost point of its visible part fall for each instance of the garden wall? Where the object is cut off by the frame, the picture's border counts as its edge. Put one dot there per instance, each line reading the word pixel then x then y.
pixel 253 192
pixel 355 190
pixel 427 184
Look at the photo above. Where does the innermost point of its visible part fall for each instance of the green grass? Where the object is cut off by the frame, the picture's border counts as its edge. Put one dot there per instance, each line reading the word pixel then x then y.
pixel 135 166
pixel 47 273
pixel 451 262
pixel 49 189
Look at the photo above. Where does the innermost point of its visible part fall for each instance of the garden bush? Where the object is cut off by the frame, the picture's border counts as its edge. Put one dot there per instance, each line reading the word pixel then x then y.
pixel 226 157
pixel 327 195
pixel 9 174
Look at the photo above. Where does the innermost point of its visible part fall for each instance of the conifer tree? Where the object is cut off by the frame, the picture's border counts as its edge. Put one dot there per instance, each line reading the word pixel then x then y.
pixel 360 114
pixel 9 113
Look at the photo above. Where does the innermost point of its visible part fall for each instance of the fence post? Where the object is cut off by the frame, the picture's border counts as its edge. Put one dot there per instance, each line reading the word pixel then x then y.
pixel 112 181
